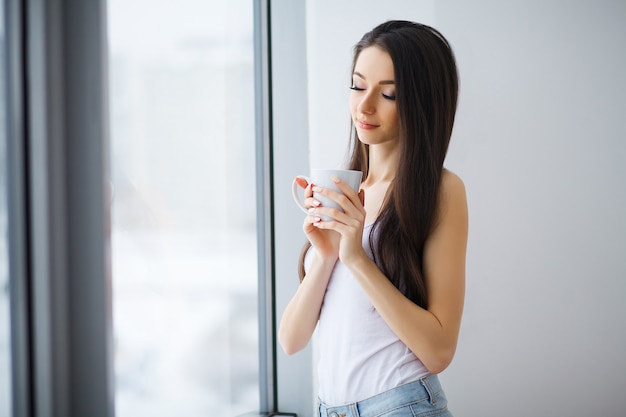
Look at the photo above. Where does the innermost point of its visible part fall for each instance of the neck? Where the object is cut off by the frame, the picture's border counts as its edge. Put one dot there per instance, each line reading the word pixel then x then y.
pixel 383 164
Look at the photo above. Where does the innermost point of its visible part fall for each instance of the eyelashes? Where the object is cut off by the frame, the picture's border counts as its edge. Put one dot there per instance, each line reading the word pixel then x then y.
pixel 387 96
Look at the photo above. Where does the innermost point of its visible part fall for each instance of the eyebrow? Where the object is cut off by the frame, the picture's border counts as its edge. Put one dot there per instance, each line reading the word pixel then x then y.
pixel 383 82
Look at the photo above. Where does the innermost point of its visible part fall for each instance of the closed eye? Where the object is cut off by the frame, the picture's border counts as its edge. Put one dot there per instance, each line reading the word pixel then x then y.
pixel 355 88
pixel 389 96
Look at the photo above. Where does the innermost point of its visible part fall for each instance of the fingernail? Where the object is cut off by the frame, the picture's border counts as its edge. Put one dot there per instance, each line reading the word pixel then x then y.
pixel 317 189
pixel 311 210
pixel 316 203
pixel 301 182
pixel 335 179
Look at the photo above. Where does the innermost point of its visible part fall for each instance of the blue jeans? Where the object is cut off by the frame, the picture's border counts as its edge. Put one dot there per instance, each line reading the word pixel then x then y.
pixel 424 397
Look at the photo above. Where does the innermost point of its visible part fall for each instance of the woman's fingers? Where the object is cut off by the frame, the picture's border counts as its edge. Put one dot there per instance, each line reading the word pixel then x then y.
pixel 349 200
pixel 352 196
pixel 308 192
pixel 347 211
pixel 309 201
pixel 348 191
pixel 301 182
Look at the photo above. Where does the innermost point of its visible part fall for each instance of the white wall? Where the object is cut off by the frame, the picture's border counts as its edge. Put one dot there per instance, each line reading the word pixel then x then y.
pixel 540 141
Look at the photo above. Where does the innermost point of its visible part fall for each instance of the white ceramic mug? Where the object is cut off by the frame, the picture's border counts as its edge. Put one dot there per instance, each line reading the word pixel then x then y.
pixel 322 178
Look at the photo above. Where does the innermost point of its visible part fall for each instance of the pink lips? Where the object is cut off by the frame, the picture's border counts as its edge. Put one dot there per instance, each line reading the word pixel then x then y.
pixel 365 126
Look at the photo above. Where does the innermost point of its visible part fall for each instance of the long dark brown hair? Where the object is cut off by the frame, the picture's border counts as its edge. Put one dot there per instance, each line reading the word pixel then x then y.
pixel 426 83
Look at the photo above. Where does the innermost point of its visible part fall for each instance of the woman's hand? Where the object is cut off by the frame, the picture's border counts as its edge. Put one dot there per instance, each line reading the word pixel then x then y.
pixel 347 224
pixel 325 242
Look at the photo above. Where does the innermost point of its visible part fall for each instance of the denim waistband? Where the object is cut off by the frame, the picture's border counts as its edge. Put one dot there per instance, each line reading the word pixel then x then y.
pixel 425 389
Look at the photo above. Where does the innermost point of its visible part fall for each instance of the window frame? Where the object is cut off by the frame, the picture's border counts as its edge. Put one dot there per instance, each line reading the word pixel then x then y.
pixel 282 153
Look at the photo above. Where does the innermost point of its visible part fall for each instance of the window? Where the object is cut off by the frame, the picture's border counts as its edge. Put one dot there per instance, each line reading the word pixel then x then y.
pixel 189 194
pixel 184 244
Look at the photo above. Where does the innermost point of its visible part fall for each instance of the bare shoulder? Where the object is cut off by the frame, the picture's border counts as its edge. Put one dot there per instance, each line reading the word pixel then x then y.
pixel 452 195
pixel 451 182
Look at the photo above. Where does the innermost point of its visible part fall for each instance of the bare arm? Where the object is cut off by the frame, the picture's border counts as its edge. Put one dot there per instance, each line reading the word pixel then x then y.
pixel 431 334
pixel 302 313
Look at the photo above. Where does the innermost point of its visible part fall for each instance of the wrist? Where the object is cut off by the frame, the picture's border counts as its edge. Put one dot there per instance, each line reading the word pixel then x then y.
pixel 325 261
pixel 356 260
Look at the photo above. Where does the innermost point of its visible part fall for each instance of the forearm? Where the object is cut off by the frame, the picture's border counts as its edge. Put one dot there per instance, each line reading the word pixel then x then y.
pixel 302 313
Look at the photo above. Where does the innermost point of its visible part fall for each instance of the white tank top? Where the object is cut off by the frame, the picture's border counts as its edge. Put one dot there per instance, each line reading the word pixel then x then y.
pixel 359 355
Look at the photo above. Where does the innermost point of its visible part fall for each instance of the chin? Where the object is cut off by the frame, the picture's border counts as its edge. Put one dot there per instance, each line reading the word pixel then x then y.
pixel 367 139
pixel 373 141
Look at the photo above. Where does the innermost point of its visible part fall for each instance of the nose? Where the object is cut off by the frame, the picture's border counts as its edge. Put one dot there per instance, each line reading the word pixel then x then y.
pixel 367 105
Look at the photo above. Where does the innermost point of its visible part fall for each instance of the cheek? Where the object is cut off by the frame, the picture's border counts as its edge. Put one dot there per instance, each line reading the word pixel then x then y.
pixel 392 116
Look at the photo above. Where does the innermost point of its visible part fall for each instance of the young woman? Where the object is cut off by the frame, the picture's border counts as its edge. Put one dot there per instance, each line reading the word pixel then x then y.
pixel 385 277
